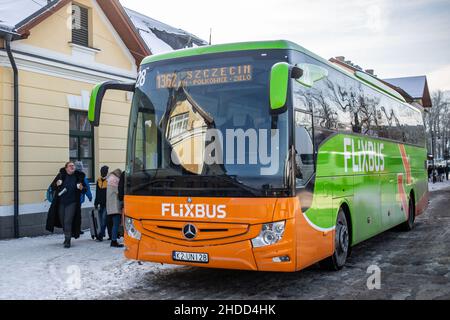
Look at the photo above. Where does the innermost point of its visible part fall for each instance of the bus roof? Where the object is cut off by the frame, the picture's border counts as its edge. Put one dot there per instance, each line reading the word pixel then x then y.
pixel 275 44
pixel 228 47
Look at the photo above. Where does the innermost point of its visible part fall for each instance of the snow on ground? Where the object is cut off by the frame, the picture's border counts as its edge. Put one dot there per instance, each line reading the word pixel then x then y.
pixel 438 185
pixel 40 268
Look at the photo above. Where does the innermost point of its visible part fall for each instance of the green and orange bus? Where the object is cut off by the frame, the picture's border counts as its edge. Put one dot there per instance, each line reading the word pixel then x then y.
pixel 264 156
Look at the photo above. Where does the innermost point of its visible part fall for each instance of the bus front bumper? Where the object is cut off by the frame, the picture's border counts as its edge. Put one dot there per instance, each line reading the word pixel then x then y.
pixel 241 255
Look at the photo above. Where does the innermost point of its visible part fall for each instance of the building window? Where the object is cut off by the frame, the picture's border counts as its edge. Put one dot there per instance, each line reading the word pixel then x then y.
pixel 178 125
pixel 82 142
pixel 80 25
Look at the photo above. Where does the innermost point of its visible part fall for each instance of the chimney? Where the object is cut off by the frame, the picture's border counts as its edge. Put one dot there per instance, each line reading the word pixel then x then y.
pixel 370 71
pixel 340 58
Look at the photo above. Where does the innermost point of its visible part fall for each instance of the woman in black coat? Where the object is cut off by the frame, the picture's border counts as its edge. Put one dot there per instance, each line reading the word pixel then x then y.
pixel 65 210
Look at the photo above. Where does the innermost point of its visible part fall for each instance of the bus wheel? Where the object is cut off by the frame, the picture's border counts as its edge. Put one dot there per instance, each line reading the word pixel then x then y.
pixel 409 224
pixel 341 245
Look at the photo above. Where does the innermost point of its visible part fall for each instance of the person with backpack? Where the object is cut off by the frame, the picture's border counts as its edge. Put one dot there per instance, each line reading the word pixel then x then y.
pixel 65 210
pixel 100 202
pixel 79 167
pixel 113 205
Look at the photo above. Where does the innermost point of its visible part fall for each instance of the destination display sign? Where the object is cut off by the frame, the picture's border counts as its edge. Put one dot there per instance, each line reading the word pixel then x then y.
pixel 205 77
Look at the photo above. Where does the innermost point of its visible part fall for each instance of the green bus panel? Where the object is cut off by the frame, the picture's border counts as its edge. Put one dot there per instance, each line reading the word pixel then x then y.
pixel 372 177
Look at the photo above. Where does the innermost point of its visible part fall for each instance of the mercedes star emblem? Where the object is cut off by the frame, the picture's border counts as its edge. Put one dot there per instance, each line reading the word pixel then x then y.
pixel 189 231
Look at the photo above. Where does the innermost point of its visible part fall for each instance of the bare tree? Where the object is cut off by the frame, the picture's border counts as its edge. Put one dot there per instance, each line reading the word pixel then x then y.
pixel 437 124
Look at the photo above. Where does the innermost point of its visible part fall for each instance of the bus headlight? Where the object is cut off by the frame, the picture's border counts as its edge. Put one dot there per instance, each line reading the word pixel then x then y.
pixel 131 229
pixel 270 234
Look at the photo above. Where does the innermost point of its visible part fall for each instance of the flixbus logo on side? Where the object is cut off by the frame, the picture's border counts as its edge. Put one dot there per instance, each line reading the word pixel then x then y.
pixel 194 210
pixel 363 155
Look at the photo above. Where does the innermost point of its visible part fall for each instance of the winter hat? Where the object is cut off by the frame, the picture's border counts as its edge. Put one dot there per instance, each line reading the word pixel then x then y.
pixel 104 171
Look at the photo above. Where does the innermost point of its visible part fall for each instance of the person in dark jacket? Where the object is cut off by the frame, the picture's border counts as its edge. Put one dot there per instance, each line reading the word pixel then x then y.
pixel 65 210
pixel 100 202
pixel 441 172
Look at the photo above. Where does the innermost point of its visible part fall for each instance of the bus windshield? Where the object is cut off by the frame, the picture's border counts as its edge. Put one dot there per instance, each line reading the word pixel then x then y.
pixel 200 126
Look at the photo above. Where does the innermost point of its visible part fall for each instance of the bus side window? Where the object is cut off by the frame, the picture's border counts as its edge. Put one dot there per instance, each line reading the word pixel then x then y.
pixel 304 147
pixel 145 150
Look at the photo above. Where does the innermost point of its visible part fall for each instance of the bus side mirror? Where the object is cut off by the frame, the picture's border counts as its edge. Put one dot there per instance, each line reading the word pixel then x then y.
pixel 98 93
pixel 311 74
pixel 279 83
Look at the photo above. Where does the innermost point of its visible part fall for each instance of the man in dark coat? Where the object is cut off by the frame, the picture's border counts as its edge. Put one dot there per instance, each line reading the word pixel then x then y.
pixel 65 210
pixel 100 202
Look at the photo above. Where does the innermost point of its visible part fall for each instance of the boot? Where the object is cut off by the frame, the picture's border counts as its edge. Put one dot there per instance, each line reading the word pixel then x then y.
pixel 115 244
pixel 67 243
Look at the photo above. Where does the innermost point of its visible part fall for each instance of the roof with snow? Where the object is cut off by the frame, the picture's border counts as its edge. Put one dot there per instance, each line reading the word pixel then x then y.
pixel 13 13
pixel 159 37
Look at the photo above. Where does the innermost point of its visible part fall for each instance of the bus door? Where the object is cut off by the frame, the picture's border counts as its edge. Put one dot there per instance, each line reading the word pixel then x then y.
pixel 367 205
pixel 389 206
pixel 312 244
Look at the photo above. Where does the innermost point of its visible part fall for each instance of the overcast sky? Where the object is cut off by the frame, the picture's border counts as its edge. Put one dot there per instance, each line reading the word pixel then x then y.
pixel 396 38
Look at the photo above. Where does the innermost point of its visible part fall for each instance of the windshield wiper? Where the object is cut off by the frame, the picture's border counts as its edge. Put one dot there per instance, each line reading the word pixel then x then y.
pixel 233 181
pixel 152 182
pixel 209 179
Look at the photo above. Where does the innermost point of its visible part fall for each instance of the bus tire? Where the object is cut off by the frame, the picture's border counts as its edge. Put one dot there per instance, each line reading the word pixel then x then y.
pixel 408 225
pixel 341 245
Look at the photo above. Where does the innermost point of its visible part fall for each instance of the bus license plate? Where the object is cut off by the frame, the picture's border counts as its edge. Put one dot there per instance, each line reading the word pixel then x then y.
pixel 190 257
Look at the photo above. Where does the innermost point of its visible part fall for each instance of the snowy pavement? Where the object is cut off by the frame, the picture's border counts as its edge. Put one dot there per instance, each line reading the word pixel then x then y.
pixel 40 268
pixel 439 185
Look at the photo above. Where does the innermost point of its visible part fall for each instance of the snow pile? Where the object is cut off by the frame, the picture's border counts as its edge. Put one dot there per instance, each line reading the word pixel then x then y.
pixel 160 37
pixel 40 268
pixel 143 22
pixel 438 186
pixel 155 44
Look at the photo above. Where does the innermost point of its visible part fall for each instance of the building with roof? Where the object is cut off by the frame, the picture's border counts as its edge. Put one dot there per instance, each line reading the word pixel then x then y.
pixel 51 55
pixel 413 89
pixel 416 87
